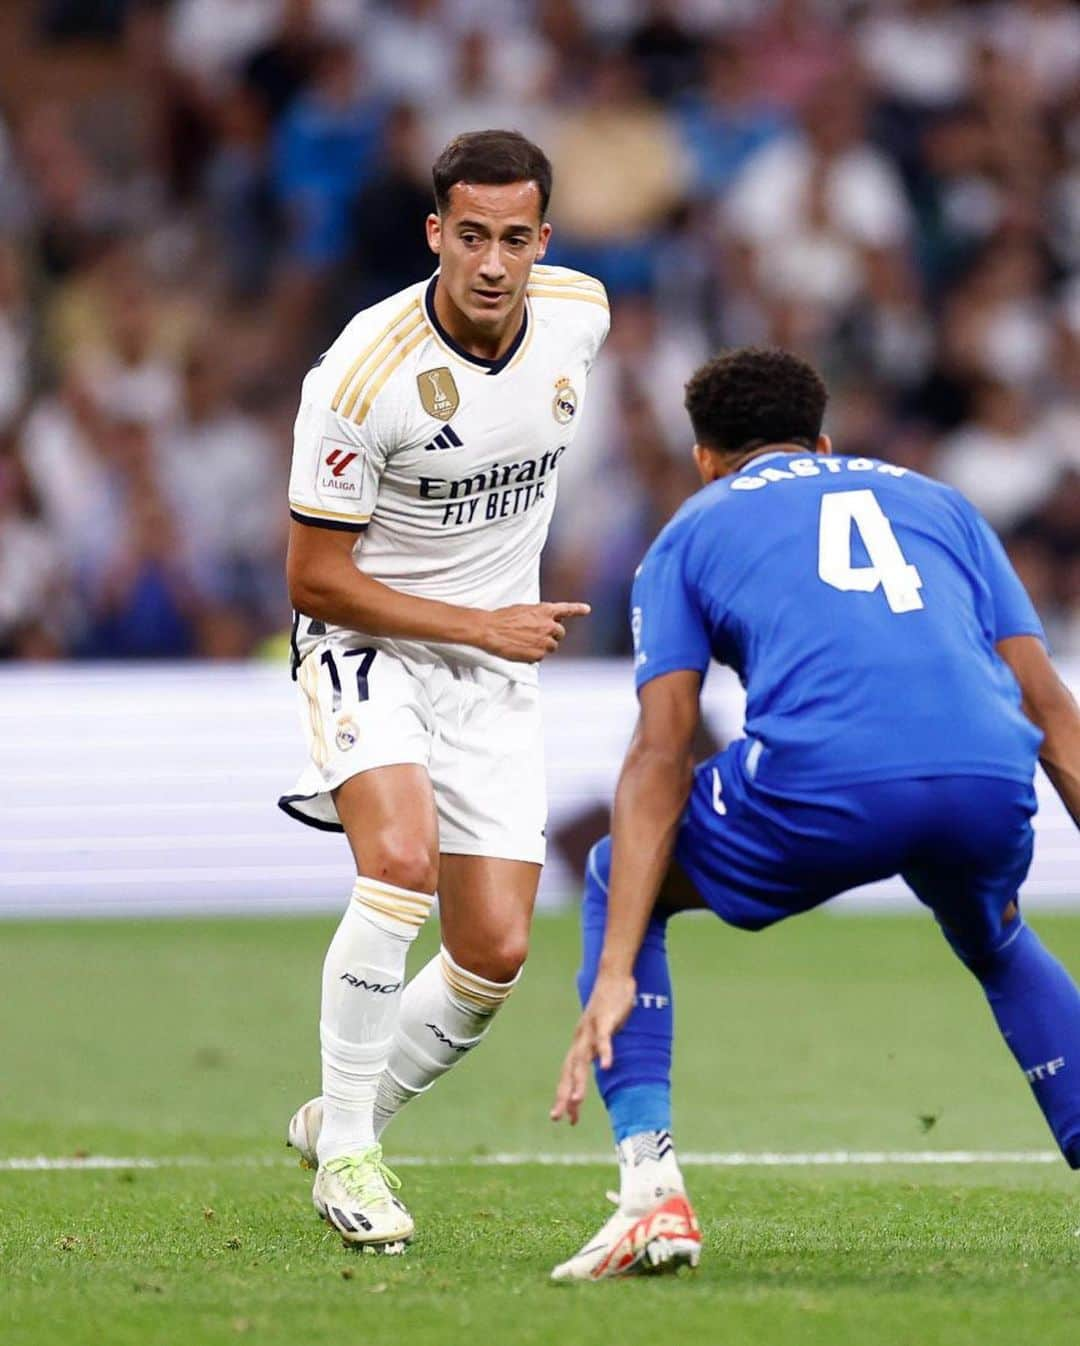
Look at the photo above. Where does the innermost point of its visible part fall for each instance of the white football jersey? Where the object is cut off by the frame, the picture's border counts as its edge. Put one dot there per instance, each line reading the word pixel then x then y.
pixel 445 465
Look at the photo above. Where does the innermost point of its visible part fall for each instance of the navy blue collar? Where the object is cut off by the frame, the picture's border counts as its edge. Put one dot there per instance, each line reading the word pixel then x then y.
pixel 492 366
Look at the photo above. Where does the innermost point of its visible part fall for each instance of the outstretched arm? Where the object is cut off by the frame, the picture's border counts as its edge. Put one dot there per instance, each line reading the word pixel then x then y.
pixel 324 583
pixel 652 792
pixel 1049 705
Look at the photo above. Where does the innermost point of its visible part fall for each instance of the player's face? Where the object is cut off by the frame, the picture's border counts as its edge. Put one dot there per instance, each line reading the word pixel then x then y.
pixel 486 243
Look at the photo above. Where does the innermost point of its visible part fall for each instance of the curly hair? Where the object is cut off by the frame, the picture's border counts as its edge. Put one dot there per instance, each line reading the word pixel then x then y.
pixel 746 398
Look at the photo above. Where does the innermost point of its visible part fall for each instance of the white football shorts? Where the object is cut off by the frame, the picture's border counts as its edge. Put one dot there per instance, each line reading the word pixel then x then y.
pixel 477 733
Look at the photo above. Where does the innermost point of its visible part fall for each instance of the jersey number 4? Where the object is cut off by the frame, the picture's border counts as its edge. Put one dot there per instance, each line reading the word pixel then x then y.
pixel 900 581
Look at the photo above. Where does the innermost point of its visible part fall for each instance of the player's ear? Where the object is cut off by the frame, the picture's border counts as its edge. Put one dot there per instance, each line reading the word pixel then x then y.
pixel 545 236
pixel 824 444
pixel 434 233
pixel 705 462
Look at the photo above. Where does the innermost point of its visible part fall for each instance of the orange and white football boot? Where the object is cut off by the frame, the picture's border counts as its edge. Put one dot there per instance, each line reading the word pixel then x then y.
pixel 664 1238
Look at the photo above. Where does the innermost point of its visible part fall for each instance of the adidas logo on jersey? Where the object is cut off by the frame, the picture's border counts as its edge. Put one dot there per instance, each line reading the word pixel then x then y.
pixel 445 439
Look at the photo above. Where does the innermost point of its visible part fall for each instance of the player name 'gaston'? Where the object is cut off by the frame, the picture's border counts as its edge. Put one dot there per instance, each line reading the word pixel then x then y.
pixel 812 467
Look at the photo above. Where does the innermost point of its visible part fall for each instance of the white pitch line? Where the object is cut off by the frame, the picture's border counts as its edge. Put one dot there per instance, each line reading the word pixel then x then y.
pixel 706 1159
pixel 40 1163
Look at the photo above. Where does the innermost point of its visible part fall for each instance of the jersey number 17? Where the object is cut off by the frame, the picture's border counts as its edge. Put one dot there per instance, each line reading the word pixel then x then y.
pixel 900 581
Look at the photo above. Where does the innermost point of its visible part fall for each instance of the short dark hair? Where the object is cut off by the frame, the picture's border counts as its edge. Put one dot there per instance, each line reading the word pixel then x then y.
pixel 491 158
pixel 745 398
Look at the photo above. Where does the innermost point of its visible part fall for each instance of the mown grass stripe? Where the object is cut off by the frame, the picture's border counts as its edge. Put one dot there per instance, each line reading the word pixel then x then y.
pixel 700 1159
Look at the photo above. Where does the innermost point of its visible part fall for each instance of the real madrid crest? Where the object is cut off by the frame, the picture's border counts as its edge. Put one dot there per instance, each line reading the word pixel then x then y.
pixel 564 407
pixel 347 734
pixel 438 392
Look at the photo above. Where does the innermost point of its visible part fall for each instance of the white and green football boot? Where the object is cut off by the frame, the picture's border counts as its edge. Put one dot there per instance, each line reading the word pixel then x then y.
pixel 304 1127
pixel 355 1194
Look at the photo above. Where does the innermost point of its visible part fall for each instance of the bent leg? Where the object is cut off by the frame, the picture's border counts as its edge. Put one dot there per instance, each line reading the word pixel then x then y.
pixel 1036 1005
pixel 970 879
pixel 485 909
pixel 389 817
pixel 636 1088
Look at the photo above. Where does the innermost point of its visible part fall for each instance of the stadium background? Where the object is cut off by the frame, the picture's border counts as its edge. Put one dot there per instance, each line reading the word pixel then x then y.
pixel 195 195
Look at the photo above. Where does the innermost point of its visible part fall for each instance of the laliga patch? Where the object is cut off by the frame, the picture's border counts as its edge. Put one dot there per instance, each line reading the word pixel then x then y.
pixel 348 735
pixel 340 471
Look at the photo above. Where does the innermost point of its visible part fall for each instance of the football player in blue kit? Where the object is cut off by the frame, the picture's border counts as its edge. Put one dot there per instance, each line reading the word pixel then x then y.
pixel 898 695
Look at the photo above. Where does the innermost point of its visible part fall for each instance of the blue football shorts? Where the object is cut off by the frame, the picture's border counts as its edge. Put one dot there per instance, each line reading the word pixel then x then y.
pixel 963 844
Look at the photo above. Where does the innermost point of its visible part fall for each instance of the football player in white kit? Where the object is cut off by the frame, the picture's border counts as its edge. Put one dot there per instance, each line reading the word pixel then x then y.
pixel 426 456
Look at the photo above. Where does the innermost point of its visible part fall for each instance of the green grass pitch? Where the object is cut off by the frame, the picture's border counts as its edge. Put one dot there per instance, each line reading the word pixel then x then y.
pixel 196 1040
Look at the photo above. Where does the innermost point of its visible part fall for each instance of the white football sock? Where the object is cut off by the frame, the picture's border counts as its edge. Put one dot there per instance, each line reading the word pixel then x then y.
pixel 445 1011
pixel 361 997
pixel 648 1170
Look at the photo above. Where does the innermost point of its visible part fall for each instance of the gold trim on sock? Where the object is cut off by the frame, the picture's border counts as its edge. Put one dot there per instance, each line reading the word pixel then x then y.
pixel 476 990
pixel 398 904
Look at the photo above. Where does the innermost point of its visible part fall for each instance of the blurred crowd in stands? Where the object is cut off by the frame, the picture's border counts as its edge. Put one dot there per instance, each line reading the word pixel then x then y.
pixel 208 189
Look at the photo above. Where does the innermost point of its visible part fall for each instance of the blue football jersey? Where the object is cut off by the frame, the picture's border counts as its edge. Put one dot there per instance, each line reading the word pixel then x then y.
pixel 860 604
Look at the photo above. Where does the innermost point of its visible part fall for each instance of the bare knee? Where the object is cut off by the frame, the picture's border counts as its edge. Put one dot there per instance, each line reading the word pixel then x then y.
pixel 498 960
pixel 405 860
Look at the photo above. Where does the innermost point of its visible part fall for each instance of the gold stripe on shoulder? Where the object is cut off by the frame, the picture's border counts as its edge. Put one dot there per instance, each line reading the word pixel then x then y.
pixel 545 276
pixel 584 296
pixel 386 369
pixel 385 352
pixel 370 350
pixel 377 355
pixel 328 513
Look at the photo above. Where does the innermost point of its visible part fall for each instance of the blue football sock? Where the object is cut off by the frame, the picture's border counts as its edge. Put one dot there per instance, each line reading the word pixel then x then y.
pixel 1037 1007
pixel 637 1088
